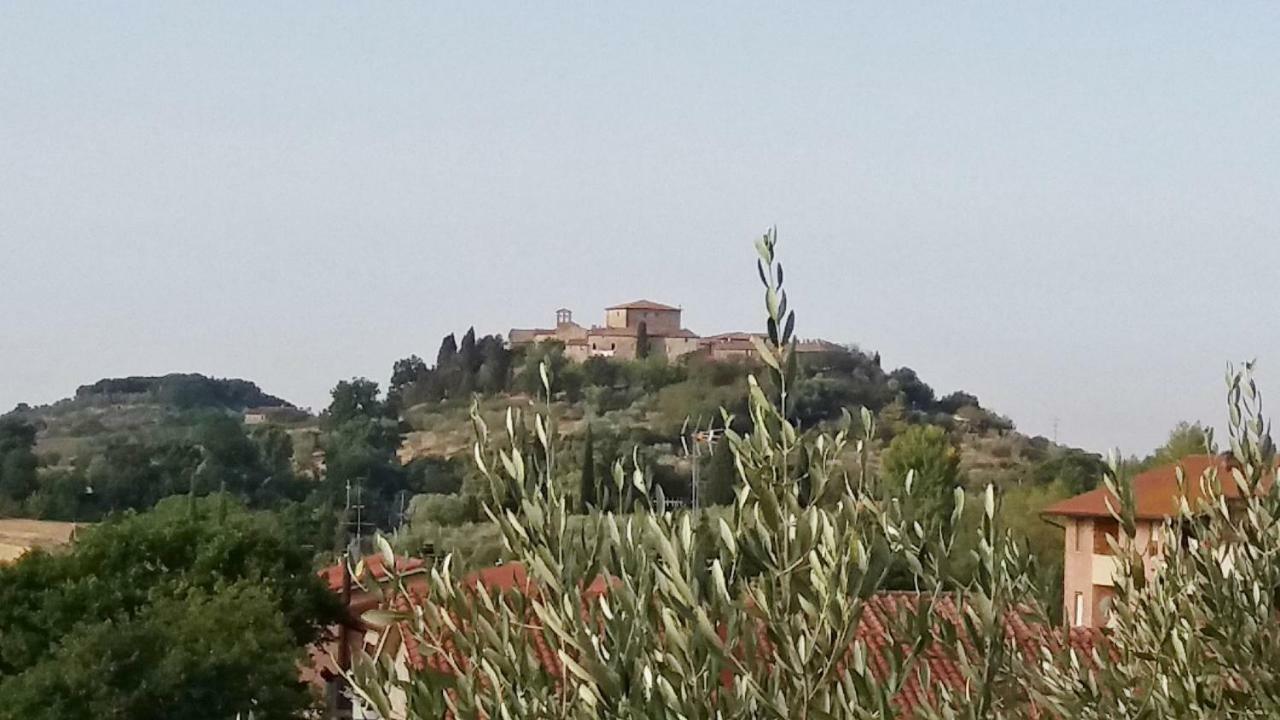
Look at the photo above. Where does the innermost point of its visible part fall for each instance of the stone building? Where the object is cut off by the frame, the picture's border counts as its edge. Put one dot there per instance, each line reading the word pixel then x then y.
pixel 619 336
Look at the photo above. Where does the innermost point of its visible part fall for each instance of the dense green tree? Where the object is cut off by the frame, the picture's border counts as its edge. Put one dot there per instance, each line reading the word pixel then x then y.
pixel 1076 471
pixel 406 371
pixel 18 461
pixel 435 476
pixel 229 459
pixel 952 402
pixel 654 373
pixel 202 654
pixel 697 404
pixel 1184 439
pixel 134 475
pixel 274 451
pixel 528 378
pixel 600 371
pixel 360 456
pixel 443 510
pixel 64 494
pixel 116 571
pixel 404 374
pixel 358 397
pixel 926 450
pixel 917 394
pixel 822 398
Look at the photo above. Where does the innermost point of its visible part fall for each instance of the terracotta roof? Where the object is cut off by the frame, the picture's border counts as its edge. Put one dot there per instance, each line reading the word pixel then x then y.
pixel 643 305
pixel 1155 491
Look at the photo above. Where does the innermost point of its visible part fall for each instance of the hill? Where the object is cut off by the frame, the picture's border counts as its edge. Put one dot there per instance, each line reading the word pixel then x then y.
pixel 648 402
pixel 143 407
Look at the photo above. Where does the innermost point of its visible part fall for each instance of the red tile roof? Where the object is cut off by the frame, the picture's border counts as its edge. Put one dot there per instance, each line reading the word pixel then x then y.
pixel 643 305
pixel 374 567
pixel 1155 491
pixel 937 668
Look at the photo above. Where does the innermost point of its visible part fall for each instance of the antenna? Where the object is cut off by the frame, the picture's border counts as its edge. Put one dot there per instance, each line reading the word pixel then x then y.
pixel 356 538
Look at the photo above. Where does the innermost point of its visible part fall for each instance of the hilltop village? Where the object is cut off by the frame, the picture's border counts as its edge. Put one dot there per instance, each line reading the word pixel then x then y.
pixel 645 328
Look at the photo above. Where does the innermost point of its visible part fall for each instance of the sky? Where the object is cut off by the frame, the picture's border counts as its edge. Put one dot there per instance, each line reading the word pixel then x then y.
pixel 1069 210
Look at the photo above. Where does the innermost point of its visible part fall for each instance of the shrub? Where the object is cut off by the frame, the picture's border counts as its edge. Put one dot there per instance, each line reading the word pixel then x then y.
pixel 442 510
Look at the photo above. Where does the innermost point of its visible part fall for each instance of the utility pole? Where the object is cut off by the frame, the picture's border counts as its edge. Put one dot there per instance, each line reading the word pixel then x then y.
pixel 698 437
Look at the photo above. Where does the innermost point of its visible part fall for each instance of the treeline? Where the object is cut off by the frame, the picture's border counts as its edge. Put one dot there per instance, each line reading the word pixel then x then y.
pixel 828 383
pixel 219 454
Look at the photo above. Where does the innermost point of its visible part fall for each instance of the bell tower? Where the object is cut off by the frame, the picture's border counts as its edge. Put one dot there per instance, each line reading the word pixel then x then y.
pixel 564 316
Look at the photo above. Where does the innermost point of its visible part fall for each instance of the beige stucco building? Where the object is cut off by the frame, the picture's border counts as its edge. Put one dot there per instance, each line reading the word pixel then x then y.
pixel 1089 564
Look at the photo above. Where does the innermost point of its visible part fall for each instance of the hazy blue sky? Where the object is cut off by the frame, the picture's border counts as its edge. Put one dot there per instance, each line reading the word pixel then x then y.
pixel 1071 210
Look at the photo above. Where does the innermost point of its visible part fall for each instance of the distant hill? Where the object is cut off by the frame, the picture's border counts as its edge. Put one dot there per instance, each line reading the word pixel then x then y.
pixel 139 406
pixel 183 391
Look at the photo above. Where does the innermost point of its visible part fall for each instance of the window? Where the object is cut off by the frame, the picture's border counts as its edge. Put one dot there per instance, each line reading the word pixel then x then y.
pixel 1076 531
pixel 1102 529
pixel 1078 614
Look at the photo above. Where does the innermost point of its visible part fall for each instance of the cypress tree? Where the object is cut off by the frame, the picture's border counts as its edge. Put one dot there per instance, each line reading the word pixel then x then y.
pixel 642 341
pixel 589 487
pixel 719 487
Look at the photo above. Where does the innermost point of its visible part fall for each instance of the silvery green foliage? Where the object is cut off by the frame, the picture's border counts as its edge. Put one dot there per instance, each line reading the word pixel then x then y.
pixel 1196 634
